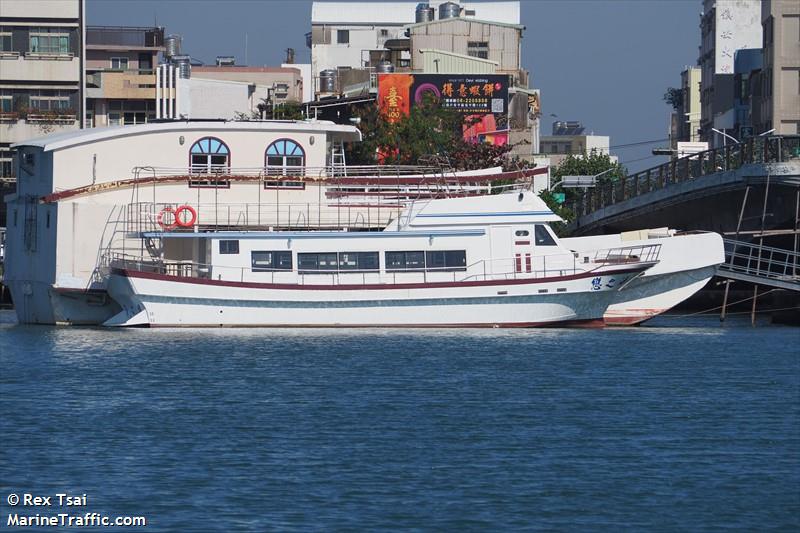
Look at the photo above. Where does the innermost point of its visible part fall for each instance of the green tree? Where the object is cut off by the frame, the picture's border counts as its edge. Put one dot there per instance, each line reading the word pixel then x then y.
pixel 580 165
pixel 427 130
pixel 674 97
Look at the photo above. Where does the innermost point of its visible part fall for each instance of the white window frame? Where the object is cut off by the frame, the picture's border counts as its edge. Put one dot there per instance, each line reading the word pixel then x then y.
pixel 4 32
pixel 120 60
pixel 50 96
pixel 49 34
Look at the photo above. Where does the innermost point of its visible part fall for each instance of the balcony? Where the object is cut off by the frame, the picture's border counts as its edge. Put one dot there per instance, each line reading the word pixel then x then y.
pixel 127 84
pixel 124 38
pixel 33 67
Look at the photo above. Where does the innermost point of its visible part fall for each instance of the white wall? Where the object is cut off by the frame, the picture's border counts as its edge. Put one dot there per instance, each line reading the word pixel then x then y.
pixel 738 25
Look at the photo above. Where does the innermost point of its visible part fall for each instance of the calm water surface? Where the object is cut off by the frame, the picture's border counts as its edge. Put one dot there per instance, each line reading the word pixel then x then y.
pixel 679 425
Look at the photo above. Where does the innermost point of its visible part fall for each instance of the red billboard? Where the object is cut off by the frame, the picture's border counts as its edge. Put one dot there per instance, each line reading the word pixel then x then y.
pixel 481 98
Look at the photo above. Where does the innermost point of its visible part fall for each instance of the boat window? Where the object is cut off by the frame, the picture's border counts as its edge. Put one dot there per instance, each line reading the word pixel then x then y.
pixel 285 157
pixel 209 155
pixel 398 261
pixel 522 233
pixel 359 261
pixel 268 261
pixel 446 260
pixel 229 247
pixel 542 236
pixel 433 261
pixel 309 263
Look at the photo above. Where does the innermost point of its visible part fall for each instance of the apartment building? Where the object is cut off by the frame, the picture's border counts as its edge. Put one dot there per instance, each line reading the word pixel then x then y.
pixel 41 71
pixel 120 74
pixel 779 105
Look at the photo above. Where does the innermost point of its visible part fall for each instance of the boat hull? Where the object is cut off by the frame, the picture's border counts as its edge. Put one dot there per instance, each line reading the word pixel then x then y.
pixel 650 296
pixel 686 264
pixel 169 301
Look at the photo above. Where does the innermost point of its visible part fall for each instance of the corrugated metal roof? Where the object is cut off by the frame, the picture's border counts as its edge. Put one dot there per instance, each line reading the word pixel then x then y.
pixel 404 12
pixel 468 19
pixel 450 63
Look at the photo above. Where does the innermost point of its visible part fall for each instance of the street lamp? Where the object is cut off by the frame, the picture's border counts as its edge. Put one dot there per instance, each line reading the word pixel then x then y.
pixel 766 133
pixel 583 182
pixel 724 135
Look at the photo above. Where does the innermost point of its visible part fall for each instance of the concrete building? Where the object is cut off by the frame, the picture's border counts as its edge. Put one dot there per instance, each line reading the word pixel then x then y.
pixel 285 83
pixel 685 121
pixel 353 35
pixel 41 71
pixel 121 75
pixel 481 40
pixel 572 140
pixel 227 92
pixel 779 105
pixel 726 26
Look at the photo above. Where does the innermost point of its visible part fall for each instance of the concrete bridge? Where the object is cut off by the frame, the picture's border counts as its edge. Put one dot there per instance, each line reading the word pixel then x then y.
pixel 752 187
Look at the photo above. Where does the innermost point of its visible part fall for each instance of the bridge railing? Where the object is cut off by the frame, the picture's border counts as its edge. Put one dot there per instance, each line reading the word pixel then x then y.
pixel 731 157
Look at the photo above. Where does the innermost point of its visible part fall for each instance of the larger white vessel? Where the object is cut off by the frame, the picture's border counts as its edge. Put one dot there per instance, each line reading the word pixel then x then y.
pixel 487 261
pixel 79 194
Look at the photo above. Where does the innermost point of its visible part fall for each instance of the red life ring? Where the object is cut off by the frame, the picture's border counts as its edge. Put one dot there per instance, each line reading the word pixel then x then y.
pixel 185 223
pixel 165 225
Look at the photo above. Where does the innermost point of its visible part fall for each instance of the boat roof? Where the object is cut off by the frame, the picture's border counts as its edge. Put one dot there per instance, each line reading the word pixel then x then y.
pixel 512 207
pixel 57 141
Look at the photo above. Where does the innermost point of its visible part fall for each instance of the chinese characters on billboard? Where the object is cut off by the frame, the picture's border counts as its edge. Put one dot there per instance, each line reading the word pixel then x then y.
pixel 483 99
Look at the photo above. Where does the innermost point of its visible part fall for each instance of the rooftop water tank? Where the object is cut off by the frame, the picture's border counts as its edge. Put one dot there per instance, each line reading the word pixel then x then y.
pixel 327 81
pixel 172 46
pixel 425 13
pixel 184 66
pixel 384 67
pixel 449 10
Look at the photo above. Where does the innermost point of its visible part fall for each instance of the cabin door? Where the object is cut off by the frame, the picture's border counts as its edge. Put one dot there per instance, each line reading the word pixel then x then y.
pixel 502 259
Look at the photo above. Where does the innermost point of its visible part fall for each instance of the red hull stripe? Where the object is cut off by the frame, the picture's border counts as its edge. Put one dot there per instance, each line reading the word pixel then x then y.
pixel 381 286
pixel 332 182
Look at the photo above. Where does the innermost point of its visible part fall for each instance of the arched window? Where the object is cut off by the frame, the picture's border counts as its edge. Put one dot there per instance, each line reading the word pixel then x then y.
pixel 285 156
pixel 209 155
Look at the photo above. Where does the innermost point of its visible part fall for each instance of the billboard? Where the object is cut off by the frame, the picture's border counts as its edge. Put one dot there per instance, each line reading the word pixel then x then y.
pixel 483 98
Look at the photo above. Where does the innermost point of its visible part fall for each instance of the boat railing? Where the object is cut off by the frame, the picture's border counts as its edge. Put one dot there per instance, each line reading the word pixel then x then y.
pixel 510 268
pixel 143 217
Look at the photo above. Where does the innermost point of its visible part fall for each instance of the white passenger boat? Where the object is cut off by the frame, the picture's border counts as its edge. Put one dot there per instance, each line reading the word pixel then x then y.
pixel 489 261
pixel 687 262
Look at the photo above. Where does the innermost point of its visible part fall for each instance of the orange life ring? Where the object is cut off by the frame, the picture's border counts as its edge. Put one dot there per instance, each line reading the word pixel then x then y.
pixel 165 225
pixel 185 223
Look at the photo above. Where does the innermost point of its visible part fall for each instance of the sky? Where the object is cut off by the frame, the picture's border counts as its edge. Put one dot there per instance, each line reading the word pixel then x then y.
pixel 605 63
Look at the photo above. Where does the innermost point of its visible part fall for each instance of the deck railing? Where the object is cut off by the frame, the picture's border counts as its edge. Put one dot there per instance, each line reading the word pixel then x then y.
pixel 148 217
pixel 731 157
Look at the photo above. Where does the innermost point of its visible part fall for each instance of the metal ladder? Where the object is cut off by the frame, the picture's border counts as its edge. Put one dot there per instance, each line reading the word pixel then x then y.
pixel 338 163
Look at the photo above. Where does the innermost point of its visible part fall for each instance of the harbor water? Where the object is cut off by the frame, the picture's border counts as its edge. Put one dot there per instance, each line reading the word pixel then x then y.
pixel 682 424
